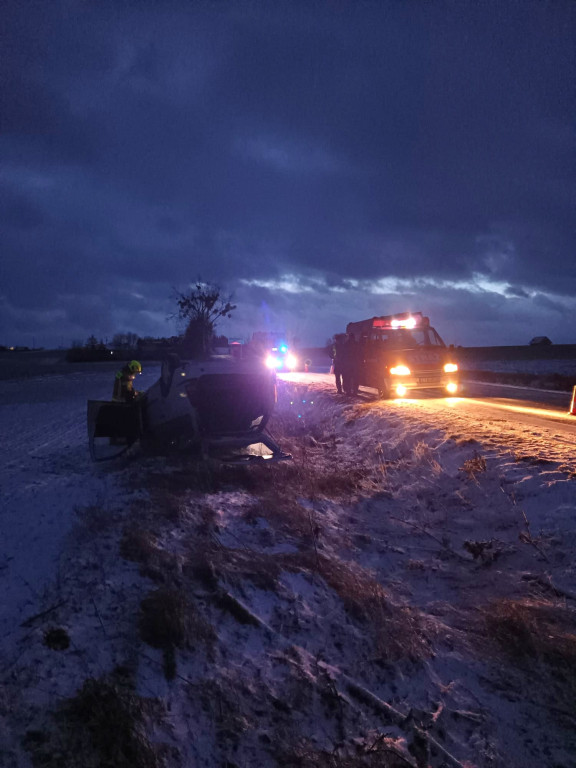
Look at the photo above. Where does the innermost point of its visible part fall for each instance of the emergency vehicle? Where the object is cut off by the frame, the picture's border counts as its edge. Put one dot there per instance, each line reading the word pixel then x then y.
pixel 275 351
pixel 402 352
pixel 281 359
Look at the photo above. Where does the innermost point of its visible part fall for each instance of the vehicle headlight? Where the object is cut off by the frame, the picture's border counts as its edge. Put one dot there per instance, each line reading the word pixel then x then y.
pixel 450 368
pixel 271 361
pixel 400 370
pixel 291 361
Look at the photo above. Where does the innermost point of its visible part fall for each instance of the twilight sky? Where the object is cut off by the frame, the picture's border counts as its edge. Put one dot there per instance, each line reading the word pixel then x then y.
pixel 321 161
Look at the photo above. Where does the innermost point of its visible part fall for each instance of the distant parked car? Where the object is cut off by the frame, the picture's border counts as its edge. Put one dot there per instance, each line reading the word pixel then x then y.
pixel 539 341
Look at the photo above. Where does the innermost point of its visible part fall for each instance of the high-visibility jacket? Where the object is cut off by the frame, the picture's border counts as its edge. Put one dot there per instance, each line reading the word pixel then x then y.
pixel 124 386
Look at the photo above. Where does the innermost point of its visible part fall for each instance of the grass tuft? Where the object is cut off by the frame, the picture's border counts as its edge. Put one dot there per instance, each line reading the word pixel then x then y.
pixel 138 545
pixel 538 636
pixel 105 725
pixel 164 619
pixel 532 629
pixel 474 466
pixel 57 639
pixel 114 718
pixel 168 621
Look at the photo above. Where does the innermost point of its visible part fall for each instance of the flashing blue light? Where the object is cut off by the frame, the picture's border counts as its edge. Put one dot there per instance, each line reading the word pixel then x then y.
pixel 283 348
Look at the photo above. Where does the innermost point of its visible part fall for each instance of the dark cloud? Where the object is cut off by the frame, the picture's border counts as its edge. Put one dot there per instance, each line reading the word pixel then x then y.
pixel 299 153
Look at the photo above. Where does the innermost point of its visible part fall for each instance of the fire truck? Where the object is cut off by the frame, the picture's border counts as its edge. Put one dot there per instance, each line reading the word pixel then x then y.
pixel 402 352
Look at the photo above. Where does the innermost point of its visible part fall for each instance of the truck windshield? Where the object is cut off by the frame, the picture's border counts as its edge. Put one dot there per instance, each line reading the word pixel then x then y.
pixel 405 339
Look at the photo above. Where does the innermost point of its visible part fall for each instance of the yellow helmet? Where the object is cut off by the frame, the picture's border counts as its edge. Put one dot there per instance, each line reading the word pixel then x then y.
pixel 135 366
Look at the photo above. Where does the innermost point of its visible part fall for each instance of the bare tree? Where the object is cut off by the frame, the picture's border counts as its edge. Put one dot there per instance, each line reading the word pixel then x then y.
pixel 125 340
pixel 201 307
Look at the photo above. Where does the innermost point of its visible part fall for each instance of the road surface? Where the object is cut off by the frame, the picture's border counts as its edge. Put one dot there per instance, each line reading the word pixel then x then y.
pixel 516 405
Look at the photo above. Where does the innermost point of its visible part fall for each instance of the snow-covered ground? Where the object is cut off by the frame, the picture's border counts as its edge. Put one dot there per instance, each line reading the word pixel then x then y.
pixel 401 593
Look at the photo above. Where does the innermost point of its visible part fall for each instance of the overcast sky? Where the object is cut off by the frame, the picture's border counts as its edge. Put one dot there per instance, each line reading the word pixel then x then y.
pixel 322 161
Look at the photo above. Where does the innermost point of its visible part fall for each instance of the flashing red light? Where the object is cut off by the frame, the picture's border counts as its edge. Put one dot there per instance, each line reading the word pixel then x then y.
pixel 404 320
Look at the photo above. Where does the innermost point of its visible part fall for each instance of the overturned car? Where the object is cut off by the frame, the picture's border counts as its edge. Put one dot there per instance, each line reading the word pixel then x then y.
pixel 218 408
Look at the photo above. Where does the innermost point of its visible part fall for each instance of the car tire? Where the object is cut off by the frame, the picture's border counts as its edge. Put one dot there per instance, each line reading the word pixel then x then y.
pixel 383 391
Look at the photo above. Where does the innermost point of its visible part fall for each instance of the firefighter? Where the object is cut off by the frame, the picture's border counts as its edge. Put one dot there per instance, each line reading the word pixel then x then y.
pixel 124 391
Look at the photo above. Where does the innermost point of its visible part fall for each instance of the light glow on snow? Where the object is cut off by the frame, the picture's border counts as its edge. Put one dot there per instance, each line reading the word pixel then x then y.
pixel 420 479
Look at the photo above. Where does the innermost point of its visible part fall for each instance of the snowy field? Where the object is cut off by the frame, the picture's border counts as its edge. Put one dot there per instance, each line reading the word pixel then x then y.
pixel 400 594
pixel 537 367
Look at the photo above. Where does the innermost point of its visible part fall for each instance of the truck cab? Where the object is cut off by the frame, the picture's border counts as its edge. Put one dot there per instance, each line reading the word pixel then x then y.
pixel 403 352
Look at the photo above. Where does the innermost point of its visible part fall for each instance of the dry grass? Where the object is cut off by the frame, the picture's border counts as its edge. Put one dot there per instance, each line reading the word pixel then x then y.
pixel 538 637
pixel 224 701
pixel 208 564
pixel 382 753
pixel 188 476
pixel 138 545
pixel 339 483
pixel 283 514
pixel 530 629
pixel 399 631
pixel 165 619
pixel 104 726
pixel 165 505
pixel 279 493
pixel 95 518
pixel 141 546
pixel 426 455
pixel 474 466
pixel 168 621
pixel 203 564
pixel 115 719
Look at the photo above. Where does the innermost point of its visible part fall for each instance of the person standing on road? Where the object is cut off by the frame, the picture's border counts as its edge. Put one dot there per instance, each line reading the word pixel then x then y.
pixel 337 360
pixel 124 391
pixel 349 364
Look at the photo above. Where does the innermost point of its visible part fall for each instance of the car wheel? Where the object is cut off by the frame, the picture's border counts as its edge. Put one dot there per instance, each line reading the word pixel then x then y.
pixel 383 391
